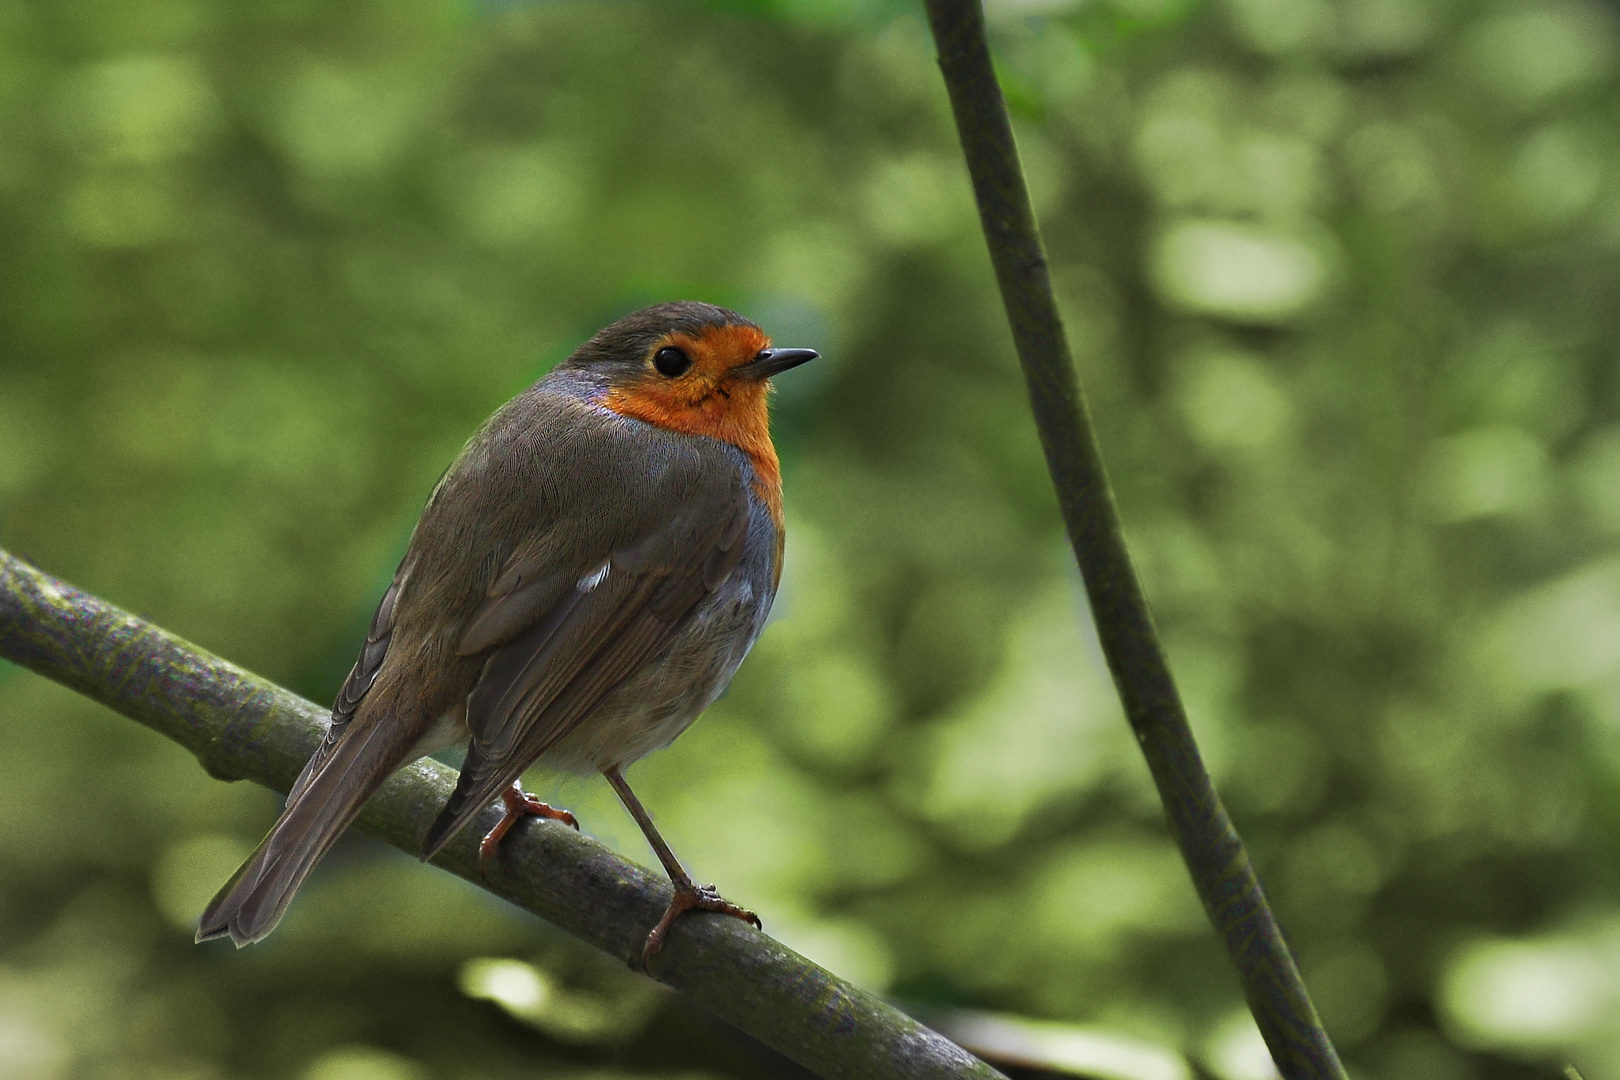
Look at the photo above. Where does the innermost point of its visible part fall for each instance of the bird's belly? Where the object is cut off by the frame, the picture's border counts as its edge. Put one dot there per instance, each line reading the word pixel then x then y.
pixel 447 731
pixel 656 703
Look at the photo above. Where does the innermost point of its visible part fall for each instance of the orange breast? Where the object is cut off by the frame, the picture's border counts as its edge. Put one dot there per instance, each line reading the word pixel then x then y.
pixel 711 402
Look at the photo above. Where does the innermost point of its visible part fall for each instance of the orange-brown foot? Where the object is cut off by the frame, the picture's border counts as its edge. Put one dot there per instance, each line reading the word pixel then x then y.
pixel 519 805
pixel 688 897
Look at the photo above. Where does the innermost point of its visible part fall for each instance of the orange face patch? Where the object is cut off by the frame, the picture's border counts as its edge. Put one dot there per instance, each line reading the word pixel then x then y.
pixel 708 400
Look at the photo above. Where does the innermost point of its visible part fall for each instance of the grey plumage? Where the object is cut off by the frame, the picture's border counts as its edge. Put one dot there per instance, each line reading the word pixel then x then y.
pixel 579 587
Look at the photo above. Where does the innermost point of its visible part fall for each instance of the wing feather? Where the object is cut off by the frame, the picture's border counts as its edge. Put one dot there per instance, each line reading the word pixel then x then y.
pixel 503 616
pixel 360 680
pixel 540 685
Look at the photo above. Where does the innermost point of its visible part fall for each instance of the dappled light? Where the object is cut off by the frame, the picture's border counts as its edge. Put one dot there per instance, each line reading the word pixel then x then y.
pixel 1343 283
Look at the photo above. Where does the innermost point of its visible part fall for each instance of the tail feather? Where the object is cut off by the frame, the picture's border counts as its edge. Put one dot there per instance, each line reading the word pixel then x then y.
pixel 255 898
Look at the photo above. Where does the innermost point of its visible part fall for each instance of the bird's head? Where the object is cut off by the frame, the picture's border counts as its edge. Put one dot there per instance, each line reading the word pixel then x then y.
pixel 693 368
pixel 682 356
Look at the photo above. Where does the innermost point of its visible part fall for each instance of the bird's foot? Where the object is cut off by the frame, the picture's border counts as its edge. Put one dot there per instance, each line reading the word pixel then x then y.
pixel 519 805
pixel 687 897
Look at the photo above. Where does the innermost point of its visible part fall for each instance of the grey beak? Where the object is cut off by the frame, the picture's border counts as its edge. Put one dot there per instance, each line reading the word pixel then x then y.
pixel 773 362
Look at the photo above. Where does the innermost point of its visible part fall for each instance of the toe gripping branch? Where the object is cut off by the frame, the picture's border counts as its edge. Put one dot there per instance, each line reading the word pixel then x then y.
pixel 519 805
pixel 689 897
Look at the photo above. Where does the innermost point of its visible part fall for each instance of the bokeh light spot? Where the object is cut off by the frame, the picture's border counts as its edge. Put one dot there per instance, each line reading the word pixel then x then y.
pixel 1229 399
pixel 30 1049
pixel 1484 472
pixel 1242 272
pixel 515 986
pixel 1105 1055
pixel 1234 1049
pixel 1533 53
pixel 363 1063
pixel 1530 993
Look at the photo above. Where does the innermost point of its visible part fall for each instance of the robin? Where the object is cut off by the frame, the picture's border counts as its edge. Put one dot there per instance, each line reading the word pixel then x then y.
pixel 582 583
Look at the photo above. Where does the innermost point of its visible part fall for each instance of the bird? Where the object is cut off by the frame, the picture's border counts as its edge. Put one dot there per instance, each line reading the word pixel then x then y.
pixel 582 583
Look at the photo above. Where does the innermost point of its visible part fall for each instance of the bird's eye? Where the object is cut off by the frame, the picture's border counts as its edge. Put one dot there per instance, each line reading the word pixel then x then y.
pixel 671 362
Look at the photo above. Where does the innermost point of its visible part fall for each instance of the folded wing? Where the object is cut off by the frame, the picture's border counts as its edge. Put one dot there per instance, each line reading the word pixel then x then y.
pixel 550 668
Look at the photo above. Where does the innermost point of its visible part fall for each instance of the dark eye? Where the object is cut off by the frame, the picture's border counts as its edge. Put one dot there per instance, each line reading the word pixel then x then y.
pixel 671 361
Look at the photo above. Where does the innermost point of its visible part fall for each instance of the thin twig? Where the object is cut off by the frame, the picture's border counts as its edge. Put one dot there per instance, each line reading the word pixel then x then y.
pixel 243 727
pixel 1220 867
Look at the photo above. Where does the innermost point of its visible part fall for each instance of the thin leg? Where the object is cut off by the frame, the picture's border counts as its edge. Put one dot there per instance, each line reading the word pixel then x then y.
pixel 519 805
pixel 687 895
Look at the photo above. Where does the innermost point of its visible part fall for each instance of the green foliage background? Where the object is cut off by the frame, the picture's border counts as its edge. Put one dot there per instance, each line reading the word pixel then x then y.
pixel 1341 277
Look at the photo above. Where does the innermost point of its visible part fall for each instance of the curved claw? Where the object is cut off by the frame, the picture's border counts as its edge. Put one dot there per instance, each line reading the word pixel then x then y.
pixel 688 897
pixel 519 805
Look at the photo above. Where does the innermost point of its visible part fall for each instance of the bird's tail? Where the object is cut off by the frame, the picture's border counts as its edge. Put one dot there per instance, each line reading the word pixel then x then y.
pixel 253 901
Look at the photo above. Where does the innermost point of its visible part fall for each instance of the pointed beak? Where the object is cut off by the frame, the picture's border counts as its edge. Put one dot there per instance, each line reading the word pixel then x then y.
pixel 770 362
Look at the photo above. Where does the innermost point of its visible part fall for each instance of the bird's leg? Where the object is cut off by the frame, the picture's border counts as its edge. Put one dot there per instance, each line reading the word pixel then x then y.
pixel 519 805
pixel 687 895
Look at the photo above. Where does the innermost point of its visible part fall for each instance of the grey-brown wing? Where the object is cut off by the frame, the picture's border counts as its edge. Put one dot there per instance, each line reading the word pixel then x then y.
pixel 544 681
pixel 498 545
pixel 361 677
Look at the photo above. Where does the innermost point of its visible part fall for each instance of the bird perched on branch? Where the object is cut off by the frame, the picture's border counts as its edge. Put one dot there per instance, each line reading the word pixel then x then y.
pixel 583 582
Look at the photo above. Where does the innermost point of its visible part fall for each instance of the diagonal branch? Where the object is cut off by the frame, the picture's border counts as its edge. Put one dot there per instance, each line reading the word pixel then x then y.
pixel 1219 865
pixel 242 727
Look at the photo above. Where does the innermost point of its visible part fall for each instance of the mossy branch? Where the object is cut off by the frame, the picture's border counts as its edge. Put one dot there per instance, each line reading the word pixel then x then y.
pixel 243 727
pixel 1214 854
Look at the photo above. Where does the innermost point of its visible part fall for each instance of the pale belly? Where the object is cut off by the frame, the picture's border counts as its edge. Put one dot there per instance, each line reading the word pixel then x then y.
pixel 650 708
